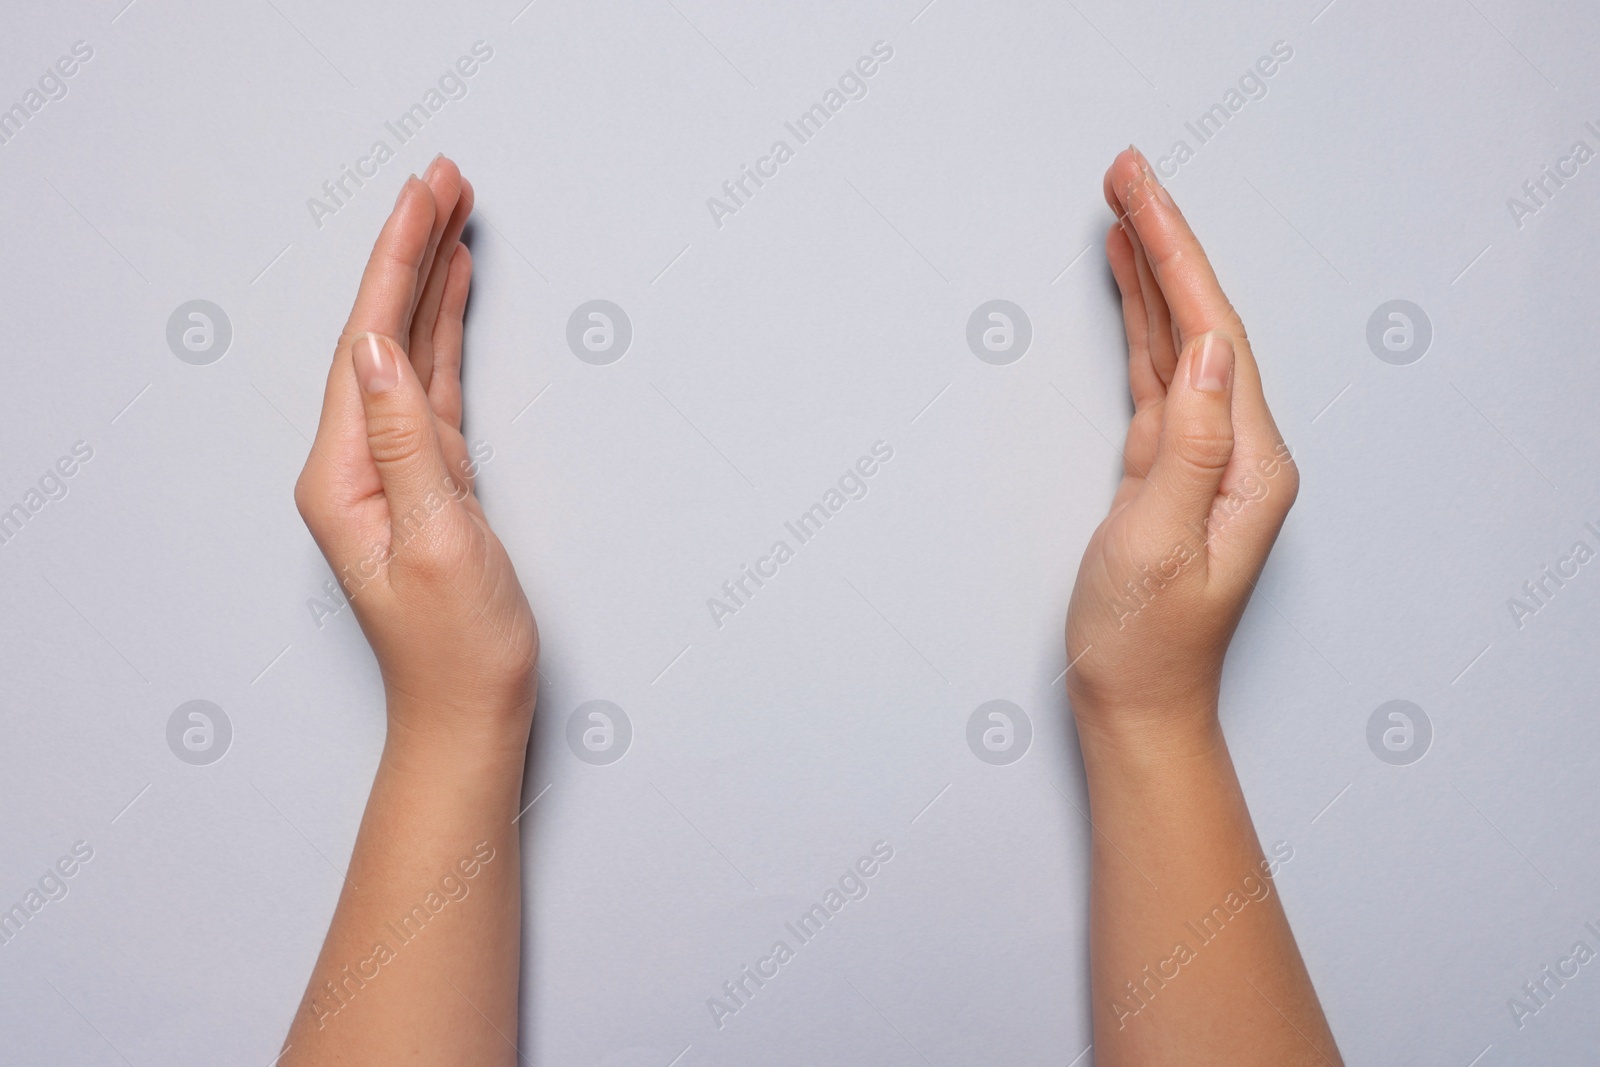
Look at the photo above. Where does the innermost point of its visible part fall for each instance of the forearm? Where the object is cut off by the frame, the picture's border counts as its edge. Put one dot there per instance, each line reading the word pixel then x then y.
pixel 1192 958
pixel 421 960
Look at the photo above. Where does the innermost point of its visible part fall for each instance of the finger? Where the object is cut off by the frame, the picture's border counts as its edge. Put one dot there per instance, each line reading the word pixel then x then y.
pixel 455 191
pixel 459 462
pixel 424 322
pixel 389 283
pixel 1143 440
pixel 1143 382
pixel 1196 435
pixel 445 189
pixel 1172 251
pixel 400 434
pixel 444 390
pixel 1160 334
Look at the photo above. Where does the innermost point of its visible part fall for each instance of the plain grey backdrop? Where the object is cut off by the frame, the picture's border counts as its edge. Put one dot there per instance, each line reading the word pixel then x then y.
pixel 1424 152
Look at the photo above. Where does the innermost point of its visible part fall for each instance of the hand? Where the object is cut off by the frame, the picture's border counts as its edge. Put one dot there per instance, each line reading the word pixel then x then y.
pixel 1207 482
pixel 387 488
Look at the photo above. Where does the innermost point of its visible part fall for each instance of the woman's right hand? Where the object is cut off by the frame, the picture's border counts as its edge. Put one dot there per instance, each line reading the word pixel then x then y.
pixel 1207 481
pixel 387 490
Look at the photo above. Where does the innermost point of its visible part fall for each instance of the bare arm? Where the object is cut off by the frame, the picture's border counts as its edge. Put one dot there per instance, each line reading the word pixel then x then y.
pixel 1193 961
pixel 421 961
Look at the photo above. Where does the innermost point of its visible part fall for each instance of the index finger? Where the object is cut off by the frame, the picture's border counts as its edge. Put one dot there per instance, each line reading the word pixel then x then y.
pixel 1193 293
pixel 389 284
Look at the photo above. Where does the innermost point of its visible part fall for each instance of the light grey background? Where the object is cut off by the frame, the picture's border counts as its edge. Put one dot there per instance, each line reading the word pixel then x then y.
pixel 768 354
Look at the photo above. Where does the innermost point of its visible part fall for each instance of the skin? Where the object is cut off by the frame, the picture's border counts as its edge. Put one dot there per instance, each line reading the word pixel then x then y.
pixel 1207 483
pixel 387 493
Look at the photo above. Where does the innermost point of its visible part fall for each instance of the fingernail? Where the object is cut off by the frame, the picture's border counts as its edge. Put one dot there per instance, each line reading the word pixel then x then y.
pixel 432 166
pixel 375 368
pixel 1144 165
pixel 1212 366
pixel 1160 190
pixel 1152 183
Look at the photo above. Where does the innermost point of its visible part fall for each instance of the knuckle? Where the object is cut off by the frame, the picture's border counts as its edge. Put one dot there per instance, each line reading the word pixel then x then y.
pixel 348 337
pixel 1236 325
pixel 1174 260
pixel 1290 483
pixel 427 562
pixel 394 438
pixel 432 556
pixel 308 500
pixel 1207 448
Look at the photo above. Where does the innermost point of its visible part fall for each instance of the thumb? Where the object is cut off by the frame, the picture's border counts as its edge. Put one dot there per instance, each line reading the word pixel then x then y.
pixel 400 429
pixel 1197 432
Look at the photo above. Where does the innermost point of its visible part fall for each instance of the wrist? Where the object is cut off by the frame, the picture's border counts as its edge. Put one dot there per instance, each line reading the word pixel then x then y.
pixel 1137 738
pixel 461 698
pixel 463 737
